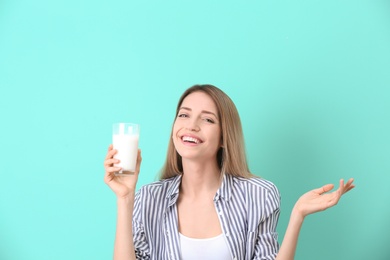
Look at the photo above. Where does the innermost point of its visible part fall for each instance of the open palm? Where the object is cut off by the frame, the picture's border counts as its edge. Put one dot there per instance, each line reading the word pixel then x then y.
pixel 319 200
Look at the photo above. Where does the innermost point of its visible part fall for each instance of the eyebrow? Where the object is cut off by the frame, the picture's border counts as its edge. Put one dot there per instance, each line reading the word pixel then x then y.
pixel 203 111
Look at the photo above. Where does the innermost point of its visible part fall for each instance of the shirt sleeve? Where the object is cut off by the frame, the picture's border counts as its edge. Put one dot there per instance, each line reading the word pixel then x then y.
pixel 267 246
pixel 141 245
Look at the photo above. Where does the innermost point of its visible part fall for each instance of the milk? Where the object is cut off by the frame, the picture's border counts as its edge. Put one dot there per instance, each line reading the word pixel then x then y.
pixel 127 146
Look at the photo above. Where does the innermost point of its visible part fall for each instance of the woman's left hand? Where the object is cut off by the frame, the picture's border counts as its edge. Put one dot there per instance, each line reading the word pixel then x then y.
pixel 318 200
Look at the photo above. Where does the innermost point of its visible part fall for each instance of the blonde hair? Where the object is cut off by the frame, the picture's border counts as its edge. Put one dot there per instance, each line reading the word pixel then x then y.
pixel 231 156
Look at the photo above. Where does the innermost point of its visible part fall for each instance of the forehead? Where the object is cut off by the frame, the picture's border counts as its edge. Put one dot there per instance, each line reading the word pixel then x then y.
pixel 199 101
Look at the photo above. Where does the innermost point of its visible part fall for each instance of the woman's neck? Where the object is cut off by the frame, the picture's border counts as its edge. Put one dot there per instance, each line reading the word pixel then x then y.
pixel 200 178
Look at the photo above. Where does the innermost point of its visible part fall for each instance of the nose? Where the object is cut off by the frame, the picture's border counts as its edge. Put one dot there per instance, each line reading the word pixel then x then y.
pixel 193 125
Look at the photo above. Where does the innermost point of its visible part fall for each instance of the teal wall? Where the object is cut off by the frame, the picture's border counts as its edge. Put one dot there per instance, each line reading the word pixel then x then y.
pixel 311 80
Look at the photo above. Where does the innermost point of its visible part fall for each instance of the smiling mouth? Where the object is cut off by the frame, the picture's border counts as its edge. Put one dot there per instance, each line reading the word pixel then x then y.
pixel 192 140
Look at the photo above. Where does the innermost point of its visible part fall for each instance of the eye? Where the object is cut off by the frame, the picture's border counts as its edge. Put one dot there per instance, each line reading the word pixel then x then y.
pixel 209 120
pixel 182 115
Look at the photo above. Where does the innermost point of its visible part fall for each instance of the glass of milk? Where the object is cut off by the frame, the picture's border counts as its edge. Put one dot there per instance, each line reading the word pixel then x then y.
pixel 125 138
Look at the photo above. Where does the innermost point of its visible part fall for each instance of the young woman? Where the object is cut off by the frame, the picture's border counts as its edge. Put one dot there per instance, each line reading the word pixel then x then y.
pixel 207 204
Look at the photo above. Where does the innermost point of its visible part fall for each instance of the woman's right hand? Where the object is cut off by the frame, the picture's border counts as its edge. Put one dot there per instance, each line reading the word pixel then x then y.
pixel 123 186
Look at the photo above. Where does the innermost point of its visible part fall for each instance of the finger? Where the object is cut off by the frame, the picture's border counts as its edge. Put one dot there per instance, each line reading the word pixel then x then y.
pixel 110 162
pixel 349 188
pixel 139 160
pixel 111 152
pixel 350 181
pixel 110 147
pixel 110 170
pixel 110 175
pixel 342 190
pixel 324 189
pixel 334 197
pixel 341 183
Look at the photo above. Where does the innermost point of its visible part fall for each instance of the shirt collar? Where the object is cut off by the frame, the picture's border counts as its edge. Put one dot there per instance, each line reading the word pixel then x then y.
pixel 173 190
pixel 225 191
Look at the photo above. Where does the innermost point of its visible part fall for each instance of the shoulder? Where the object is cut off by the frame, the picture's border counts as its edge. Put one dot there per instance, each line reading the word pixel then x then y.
pixel 260 196
pixel 256 183
pixel 159 188
pixel 256 188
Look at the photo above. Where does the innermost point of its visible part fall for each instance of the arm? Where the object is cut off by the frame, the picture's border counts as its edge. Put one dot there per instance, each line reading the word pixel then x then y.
pixel 311 202
pixel 124 188
pixel 124 244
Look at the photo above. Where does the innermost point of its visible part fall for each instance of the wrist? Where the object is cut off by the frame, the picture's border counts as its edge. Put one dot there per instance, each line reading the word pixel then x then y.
pixel 297 216
pixel 126 200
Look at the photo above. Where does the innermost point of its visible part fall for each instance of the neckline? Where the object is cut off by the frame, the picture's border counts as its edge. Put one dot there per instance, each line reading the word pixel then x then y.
pixel 201 239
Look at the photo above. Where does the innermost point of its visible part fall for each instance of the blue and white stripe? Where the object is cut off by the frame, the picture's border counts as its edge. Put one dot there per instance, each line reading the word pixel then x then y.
pixel 248 210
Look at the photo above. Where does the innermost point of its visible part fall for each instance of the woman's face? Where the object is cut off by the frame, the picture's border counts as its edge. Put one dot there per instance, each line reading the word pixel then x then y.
pixel 197 130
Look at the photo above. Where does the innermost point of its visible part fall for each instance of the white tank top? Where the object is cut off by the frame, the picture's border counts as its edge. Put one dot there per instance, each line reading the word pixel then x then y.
pixel 214 248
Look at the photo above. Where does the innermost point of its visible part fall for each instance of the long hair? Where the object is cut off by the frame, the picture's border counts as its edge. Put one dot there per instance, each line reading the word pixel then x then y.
pixel 231 156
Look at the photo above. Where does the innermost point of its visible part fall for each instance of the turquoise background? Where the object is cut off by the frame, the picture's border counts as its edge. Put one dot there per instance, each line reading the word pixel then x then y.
pixel 310 79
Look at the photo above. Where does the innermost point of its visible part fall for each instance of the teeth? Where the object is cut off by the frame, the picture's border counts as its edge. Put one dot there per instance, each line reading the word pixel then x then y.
pixel 190 139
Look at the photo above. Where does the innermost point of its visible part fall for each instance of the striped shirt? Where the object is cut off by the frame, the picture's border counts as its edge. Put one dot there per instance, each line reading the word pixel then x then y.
pixel 248 210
